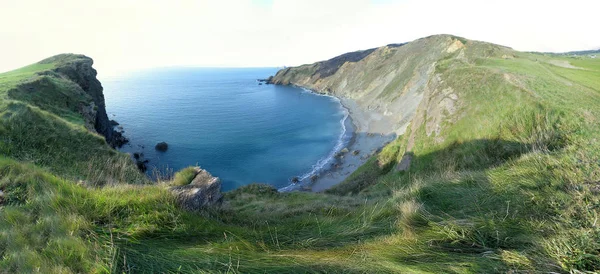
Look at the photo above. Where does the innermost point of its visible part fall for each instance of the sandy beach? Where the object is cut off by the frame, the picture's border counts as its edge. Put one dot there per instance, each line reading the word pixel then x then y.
pixel 371 132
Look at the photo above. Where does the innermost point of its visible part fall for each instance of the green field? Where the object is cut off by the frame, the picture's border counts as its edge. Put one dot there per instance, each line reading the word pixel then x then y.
pixel 511 184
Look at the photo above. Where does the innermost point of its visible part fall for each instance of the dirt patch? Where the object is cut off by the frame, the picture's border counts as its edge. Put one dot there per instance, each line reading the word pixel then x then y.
pixel 563 64
pixel 455 46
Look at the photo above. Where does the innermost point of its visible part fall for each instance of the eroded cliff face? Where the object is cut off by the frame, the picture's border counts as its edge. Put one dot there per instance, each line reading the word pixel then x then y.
pixel 395 82
pixel 81 72
pixel 70 86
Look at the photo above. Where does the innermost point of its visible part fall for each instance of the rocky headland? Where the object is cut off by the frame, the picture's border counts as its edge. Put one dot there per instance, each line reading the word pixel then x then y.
pixel 75 74
pixel 384 89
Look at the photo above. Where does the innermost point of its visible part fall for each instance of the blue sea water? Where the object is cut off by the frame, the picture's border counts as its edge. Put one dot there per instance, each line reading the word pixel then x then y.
pixel 225 122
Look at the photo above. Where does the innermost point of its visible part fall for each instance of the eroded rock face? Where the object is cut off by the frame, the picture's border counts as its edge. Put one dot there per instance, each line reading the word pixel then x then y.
pixel 79 70
pixel 203 191
pixel 393 84
pixel 82 73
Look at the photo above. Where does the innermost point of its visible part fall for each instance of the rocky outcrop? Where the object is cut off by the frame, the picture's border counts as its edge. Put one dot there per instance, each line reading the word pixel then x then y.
pixel 140 161
pixel 79 70
pixel 162 146
pixel 203 191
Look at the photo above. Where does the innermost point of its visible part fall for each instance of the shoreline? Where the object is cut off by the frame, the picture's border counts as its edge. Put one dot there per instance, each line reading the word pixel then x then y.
pixel 369 133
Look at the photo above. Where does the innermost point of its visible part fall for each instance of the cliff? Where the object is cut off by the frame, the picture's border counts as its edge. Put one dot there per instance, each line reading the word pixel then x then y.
pixel 78 68
pixel 69 83
pixel 53 115
pixel 390 82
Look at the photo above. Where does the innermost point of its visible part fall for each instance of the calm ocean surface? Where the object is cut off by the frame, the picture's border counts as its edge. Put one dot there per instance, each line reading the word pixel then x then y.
pixel 223 121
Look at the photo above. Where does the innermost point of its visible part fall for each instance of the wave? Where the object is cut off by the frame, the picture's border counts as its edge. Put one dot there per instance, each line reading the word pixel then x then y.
pixel 323 162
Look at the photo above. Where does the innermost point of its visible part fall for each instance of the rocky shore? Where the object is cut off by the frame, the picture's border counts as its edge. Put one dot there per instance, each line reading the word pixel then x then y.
pixel 381 94
pixel 370 133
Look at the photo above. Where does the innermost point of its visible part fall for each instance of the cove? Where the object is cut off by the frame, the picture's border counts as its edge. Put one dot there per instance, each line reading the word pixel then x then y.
pixel 222 120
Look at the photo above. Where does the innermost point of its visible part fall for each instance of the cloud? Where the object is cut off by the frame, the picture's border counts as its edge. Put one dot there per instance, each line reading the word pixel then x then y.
pixel 132 34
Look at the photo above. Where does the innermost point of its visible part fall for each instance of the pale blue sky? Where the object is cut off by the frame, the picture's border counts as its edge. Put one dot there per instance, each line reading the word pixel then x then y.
pixel 132 34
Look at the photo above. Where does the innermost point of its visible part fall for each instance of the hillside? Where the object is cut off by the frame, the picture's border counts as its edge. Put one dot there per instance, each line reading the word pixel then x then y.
pixel 495 169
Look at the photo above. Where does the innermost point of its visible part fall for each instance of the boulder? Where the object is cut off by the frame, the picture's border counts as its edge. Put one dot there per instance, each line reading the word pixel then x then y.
pixel 295 180
pixel 340 154
pixel 118 139
pixel 203 191
pixel 356 152
pixel 162 146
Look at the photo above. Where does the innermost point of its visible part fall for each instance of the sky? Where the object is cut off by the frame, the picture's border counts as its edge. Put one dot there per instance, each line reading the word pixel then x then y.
pixel 126 35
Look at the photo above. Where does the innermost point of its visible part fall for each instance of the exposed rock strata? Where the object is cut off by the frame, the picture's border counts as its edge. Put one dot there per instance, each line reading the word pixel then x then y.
pixel 203 191
pixel 396 86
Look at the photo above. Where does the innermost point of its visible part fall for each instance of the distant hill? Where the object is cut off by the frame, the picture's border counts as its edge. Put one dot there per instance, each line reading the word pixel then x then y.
pixel 583 52
pixel 573 53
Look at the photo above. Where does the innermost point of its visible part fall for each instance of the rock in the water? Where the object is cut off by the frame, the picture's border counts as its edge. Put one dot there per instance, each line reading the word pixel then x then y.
pixel 344 150
pixel 203 191
pixel 356 152
pixel 142 164
pixel 295 180
pixel 162 146
pixel 118 139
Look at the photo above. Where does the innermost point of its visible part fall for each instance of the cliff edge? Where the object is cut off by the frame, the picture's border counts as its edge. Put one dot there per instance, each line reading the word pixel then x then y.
pixel 69 83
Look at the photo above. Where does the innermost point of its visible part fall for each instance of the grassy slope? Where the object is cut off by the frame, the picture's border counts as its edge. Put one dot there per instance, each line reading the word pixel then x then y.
pixel 512 186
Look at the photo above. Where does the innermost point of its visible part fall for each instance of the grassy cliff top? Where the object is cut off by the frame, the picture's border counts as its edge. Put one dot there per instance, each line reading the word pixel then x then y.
pixel 504 181
pixel 47 113
pixel 11 78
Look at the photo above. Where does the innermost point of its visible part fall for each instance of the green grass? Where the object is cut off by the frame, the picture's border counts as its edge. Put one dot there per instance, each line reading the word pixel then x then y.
pixel 184 176
pixel 511 184
pixel 10 79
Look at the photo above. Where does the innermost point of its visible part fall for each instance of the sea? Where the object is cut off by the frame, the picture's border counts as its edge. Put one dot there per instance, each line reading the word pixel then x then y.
pixel 225 121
